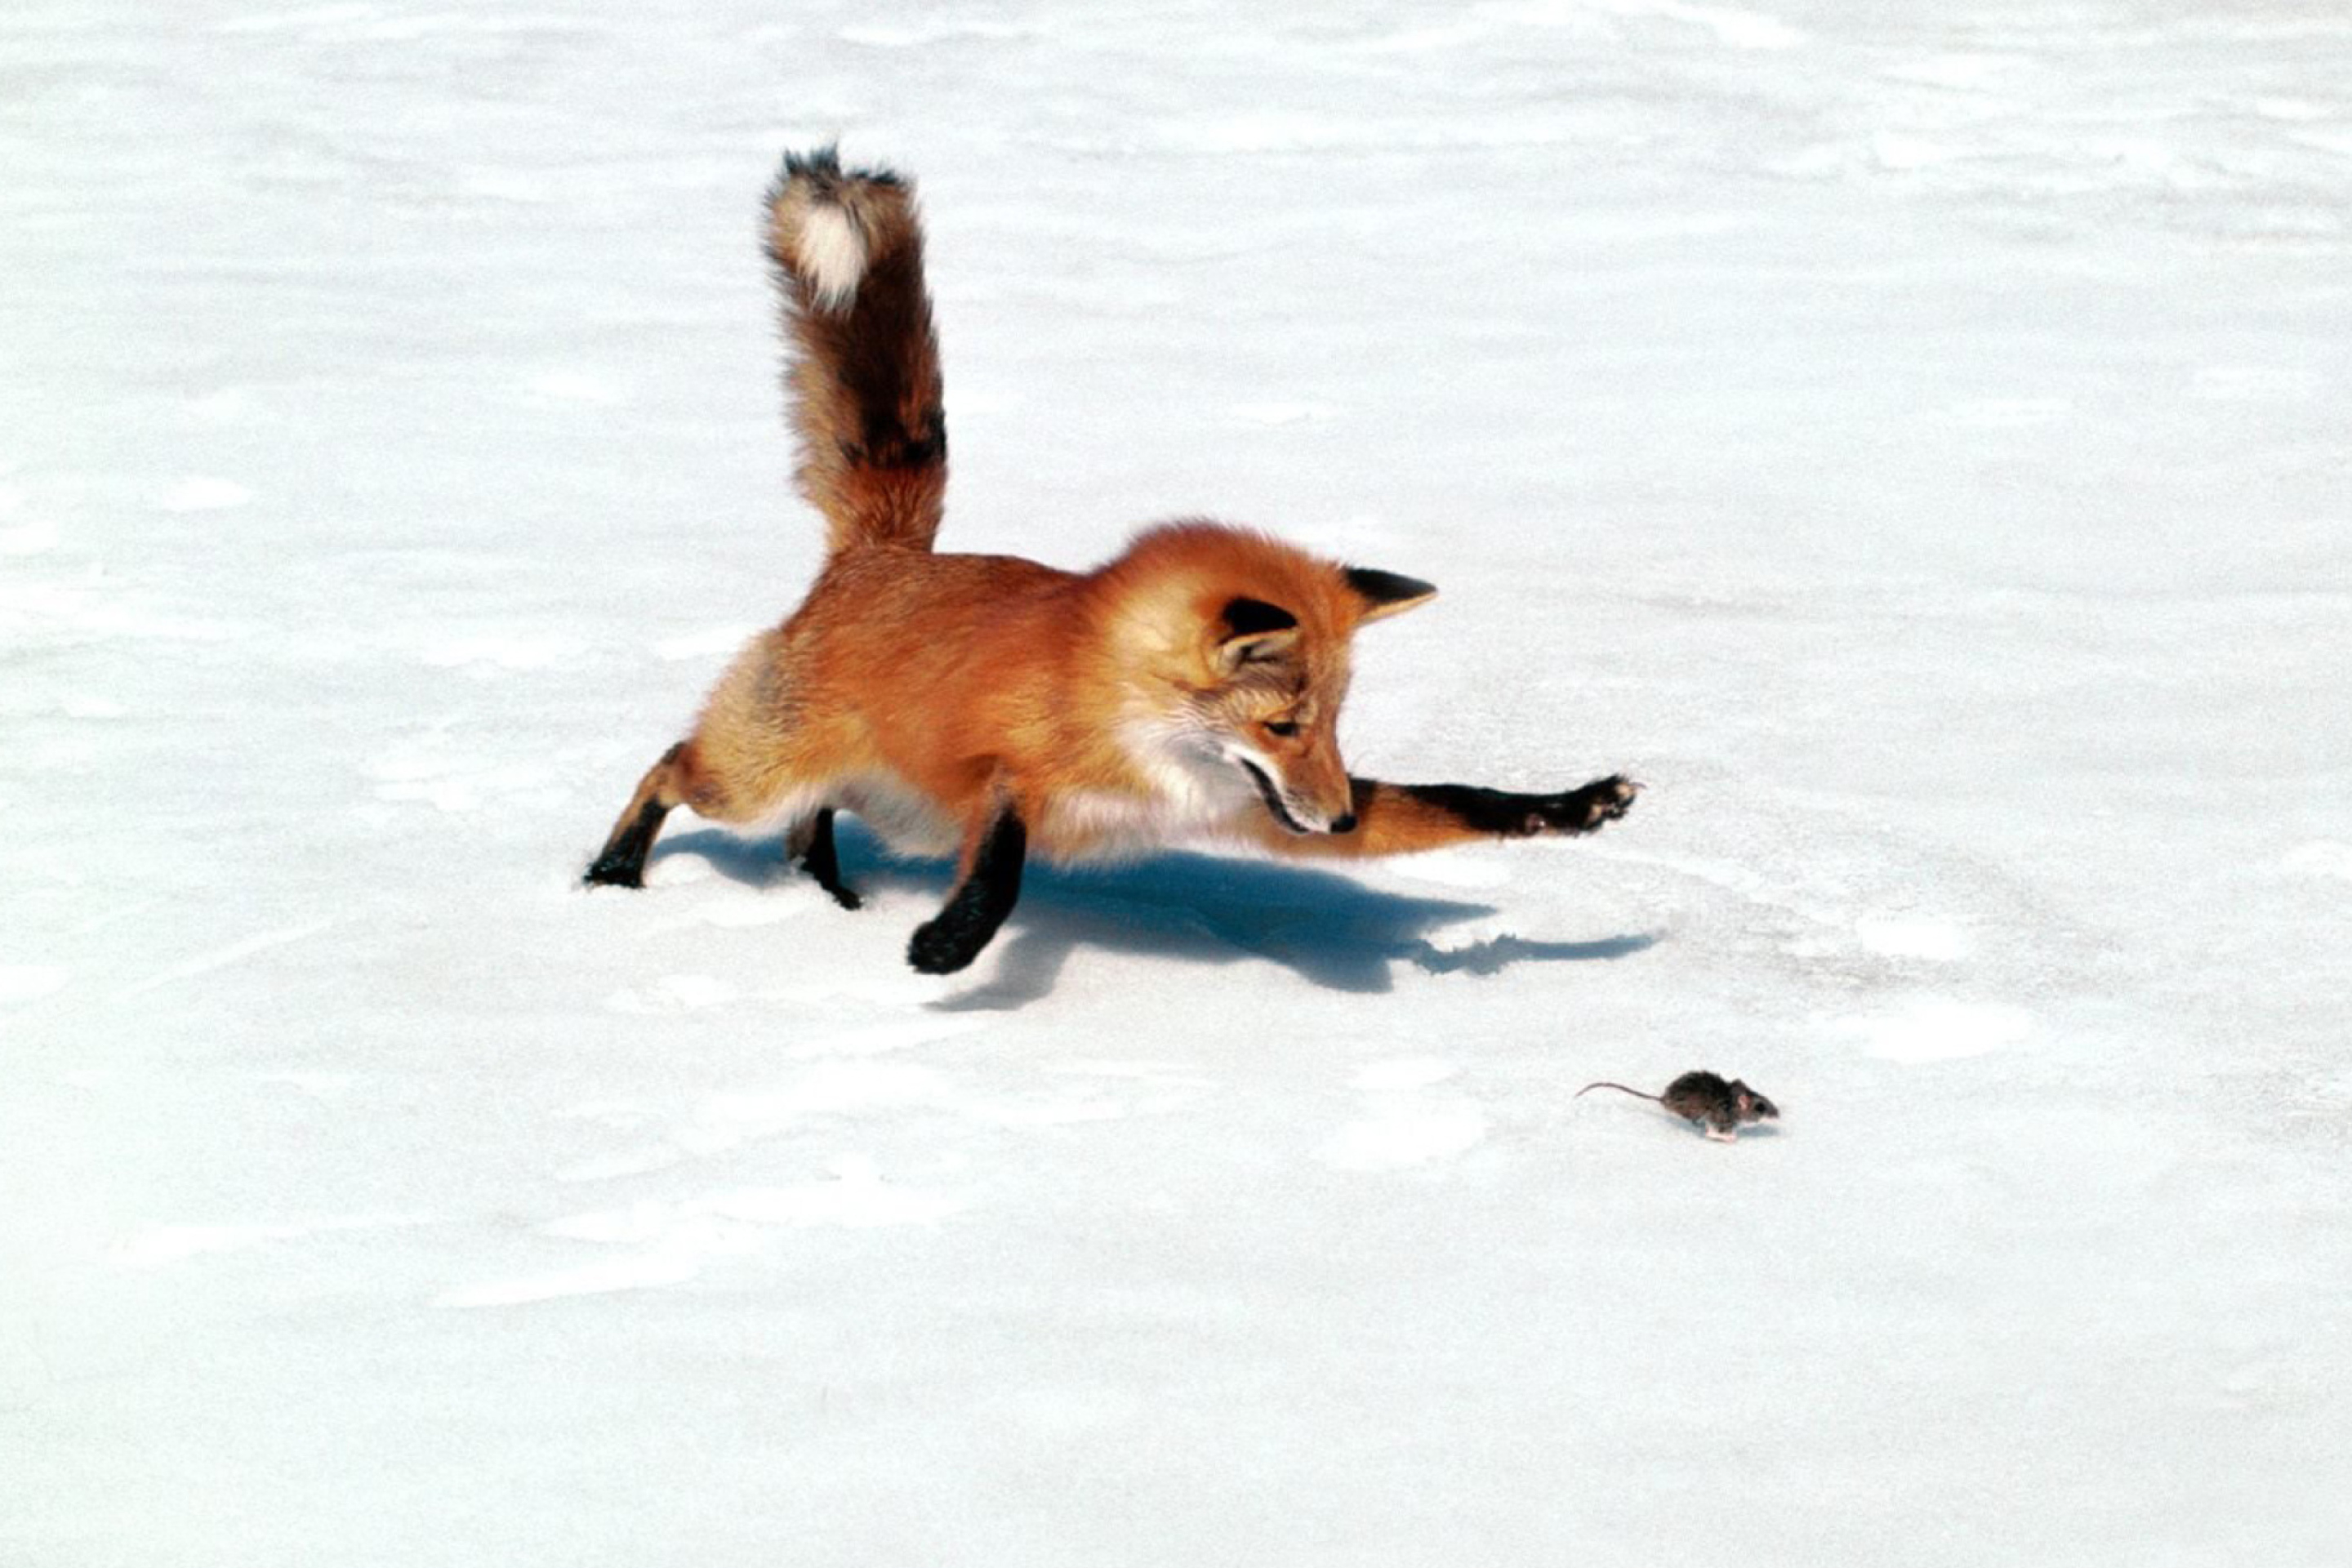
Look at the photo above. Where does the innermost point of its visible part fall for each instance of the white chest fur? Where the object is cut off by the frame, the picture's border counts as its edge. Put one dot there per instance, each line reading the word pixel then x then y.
pixel 1188 793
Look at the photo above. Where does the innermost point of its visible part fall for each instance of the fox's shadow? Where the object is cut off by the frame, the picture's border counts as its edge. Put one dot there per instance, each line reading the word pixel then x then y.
pixel 1326 928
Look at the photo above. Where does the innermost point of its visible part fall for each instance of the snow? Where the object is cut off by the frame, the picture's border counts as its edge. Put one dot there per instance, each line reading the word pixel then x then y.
pixel 1912 441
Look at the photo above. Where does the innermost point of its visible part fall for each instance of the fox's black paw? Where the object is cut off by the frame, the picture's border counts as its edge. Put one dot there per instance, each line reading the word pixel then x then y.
pixel 821 859
pixel 938 947
pixel 1584 809
pixel 827 876
pixel 614 871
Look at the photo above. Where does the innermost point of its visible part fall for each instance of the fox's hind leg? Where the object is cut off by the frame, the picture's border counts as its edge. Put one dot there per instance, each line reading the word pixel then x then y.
pixel 684 778
pixel 761 752
pixel 811 844
pixel 622 862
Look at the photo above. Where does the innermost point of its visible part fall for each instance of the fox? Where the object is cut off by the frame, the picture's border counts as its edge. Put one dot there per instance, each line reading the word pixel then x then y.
pixel 1187 690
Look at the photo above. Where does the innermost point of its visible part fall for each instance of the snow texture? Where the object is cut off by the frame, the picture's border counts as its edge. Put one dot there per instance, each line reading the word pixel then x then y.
pixel 1911 439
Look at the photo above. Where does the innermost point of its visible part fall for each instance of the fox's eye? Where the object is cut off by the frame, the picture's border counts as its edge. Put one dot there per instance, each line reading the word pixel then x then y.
pixel 1281 727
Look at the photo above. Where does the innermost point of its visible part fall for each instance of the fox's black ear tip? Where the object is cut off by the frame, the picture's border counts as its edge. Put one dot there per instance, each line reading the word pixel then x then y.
pixel 1249 617
pixel 1388 590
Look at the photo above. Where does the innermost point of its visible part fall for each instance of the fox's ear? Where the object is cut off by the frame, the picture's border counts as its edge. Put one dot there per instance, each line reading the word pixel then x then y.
pixel 1386 593
pixel 1251 629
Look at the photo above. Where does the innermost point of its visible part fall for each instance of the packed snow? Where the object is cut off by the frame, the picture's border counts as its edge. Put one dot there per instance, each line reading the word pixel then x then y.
pixel 1913 440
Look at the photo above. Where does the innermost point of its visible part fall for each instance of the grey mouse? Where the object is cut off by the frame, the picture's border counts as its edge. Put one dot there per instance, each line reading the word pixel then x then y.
pixel 1702 1097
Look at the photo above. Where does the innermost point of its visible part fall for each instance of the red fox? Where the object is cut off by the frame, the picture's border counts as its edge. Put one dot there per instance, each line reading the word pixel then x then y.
pixel 1190 689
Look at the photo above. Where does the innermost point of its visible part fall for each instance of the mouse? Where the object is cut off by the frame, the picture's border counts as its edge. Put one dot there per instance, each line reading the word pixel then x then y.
pixel 1703 1097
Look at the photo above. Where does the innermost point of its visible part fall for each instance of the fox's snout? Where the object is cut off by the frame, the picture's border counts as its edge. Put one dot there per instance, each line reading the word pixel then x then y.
pixel 1302 810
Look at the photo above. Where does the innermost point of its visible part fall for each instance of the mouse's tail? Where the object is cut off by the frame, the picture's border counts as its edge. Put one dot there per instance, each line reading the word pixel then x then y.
pixel 1620 1087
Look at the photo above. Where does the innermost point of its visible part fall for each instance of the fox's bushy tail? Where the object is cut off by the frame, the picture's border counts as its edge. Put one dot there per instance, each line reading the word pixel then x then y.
pixel 865 373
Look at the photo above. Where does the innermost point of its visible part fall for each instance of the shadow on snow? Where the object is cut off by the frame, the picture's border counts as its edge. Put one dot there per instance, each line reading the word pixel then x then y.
pixel 1326 928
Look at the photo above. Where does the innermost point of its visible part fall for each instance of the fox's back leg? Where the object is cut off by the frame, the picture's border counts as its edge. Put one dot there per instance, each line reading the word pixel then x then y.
pixel 684 776
pixel 810 842
pixel 762 752
pixel 622 862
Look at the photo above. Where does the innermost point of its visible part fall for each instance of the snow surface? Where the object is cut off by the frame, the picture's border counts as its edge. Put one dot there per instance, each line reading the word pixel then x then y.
pixel 1912 438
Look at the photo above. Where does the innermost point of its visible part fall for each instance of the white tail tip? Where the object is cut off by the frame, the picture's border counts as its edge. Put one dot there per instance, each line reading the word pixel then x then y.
pixel 831 256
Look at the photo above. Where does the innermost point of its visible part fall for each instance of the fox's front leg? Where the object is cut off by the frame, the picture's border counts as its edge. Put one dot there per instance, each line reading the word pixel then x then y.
pixel 1420 816
pixel 990 887
pixel 1397 819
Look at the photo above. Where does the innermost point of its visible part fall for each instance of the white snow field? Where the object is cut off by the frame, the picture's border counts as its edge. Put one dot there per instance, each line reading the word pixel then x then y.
pixel 1914 439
